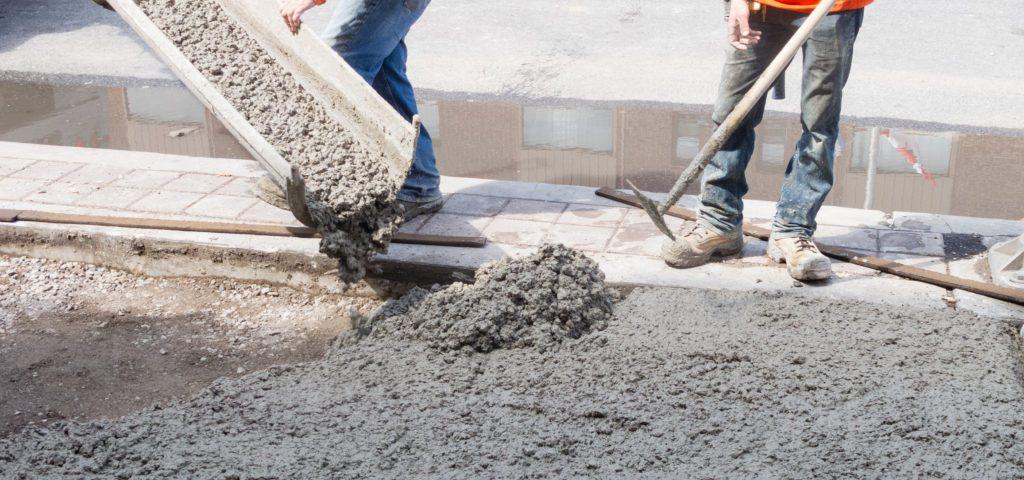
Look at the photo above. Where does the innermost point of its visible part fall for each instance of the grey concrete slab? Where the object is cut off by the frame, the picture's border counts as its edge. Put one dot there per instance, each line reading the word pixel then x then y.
pixel 262 212
pixel 452 224
pixel 221 206
pixel 935 264
pixel 112 197
pixel 197 183
pixel 14 151
pixel 985 226
pixel 467 204
pixel 46 170
pixel 636 241
pixel 96 174
pixel 919 243
pixel 146 179
pixel 517 232
pixel 239 187
pixel 533 210
pixel 17 188
pixel 592 215
pixel 862 239
pixel 852 217
pixel 11 165
pixel 922 222
pixel 166 201
pixel 61 193
pixel 585 238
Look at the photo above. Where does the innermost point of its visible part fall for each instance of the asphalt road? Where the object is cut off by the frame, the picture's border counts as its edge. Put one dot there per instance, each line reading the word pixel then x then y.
pixel 921 60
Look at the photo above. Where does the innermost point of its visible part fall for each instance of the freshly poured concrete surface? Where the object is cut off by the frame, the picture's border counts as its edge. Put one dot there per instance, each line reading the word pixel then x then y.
pixel 682 384
pixel 658 50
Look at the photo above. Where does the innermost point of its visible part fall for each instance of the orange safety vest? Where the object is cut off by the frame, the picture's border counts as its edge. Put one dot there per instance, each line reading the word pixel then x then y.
pixel 805 6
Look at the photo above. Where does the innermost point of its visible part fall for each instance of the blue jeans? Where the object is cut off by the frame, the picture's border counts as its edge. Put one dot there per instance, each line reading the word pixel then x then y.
pixel 370 36
pixel 809 175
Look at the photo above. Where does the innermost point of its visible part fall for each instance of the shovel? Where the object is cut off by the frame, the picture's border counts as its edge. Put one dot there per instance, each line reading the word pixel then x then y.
pixel 733 121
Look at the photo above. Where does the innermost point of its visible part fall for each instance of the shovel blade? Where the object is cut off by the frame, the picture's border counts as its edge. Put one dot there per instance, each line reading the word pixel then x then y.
pixel 295 191
pixel 653 210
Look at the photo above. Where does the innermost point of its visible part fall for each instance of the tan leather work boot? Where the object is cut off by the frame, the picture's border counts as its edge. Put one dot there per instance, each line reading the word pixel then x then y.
pixel 801 256
pixel 695 245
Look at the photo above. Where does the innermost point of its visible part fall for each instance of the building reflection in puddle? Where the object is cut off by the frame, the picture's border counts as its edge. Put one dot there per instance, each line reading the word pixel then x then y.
pixel 593 144
pixel 876 168
pixel 153 119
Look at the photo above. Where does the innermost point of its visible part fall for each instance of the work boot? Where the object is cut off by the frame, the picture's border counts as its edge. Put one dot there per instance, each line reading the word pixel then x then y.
pixel 801 256
pixel 695 245
pixel 268 191
pixel 411 210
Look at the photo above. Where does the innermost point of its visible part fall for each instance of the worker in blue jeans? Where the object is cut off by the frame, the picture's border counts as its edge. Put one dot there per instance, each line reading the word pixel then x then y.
pixel 370 36
pixel 757 32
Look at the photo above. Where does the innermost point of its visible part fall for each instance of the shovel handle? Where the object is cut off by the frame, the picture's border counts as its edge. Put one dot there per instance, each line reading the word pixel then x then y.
pixel 742 109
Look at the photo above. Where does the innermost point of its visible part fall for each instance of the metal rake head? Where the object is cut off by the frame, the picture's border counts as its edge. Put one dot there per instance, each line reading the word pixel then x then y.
pixel 653 210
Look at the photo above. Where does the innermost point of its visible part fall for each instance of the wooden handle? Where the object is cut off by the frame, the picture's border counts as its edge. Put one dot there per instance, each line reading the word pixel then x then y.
pixel 742 109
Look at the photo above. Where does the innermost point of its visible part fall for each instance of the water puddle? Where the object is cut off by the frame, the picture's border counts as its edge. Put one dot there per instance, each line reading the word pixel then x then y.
pixel 579 143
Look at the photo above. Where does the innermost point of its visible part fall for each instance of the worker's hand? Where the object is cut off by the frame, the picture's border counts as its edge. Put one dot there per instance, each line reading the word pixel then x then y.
pixel 741 37
pixel 292 11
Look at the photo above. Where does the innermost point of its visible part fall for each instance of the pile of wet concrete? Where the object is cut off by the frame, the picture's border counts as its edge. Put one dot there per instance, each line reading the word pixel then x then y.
pixel 536 301
pixel 679 384
pixel 350 193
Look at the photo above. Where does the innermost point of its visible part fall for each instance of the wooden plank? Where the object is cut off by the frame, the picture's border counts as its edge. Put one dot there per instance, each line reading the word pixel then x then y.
pixel 345 95
pixel 225 227
pixel 943 280
pixel 254 143
pixel 439 240
pixel 8 216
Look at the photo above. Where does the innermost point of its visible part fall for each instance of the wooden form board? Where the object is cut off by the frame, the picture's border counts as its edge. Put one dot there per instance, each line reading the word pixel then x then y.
pixel 206 92
pixel 888 266
pixel 9 216
pixel 347 98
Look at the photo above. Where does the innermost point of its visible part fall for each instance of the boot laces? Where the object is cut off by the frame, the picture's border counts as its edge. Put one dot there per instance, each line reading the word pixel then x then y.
pixel 804 244
pixel 694 229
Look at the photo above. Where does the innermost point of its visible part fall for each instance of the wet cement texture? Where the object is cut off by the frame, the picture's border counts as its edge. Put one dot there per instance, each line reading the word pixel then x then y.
pixel 351 195
pixel 538 301
pixel 681 384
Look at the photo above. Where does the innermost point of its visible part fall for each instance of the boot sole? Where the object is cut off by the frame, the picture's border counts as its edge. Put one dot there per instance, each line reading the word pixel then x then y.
pixel 425 209
pixel 691 262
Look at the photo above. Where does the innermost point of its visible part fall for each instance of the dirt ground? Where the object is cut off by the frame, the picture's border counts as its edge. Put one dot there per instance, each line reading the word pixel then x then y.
pixel 85 342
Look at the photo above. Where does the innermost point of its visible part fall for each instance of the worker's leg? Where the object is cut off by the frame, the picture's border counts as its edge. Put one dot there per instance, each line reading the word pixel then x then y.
pixel 724 182
pixel 369 35
pixel 809 175
pixel 423 182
